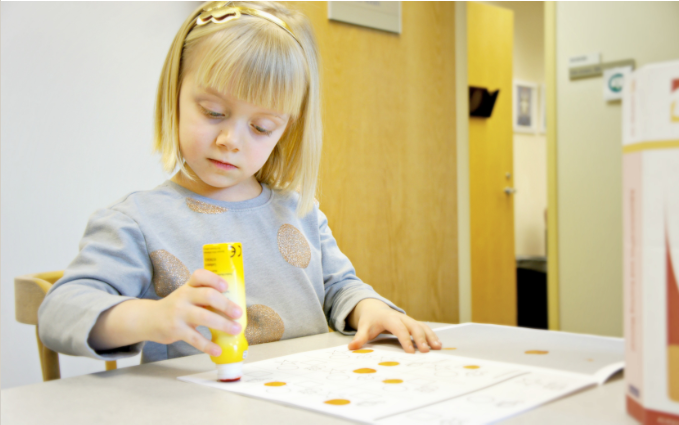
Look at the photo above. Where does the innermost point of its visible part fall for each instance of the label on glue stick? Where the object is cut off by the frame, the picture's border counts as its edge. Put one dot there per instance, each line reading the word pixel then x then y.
pixel 226 260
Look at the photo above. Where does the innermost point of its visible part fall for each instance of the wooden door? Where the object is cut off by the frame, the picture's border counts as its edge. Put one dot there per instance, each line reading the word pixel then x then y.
pixel 388 173
pixel 490 32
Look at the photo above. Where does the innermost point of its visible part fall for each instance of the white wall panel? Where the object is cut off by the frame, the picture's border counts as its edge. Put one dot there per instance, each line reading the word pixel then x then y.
pixel 78 90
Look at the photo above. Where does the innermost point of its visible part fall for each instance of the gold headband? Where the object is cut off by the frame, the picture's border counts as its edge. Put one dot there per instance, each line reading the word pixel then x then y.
pixel 221 12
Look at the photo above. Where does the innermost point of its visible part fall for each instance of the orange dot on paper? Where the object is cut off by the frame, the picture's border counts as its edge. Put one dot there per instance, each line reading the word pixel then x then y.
pixel 389 364
pixel 537 352
pixel 590 360
pixel 365 370
pixel 275 384
pixel 471 366
pixel 364 351
pixel 393 381
pixel 450 348
pixel 337 402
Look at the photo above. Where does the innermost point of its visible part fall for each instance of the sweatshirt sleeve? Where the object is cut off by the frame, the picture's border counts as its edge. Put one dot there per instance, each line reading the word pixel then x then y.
pixel 343 290
pixel 112 266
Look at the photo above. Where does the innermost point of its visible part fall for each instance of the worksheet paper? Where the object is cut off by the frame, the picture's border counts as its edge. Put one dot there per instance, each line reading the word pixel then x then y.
pixel 381 384
pixel 595 356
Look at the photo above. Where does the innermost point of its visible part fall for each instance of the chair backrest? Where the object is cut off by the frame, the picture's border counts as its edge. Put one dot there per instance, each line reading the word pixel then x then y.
pixel 29 292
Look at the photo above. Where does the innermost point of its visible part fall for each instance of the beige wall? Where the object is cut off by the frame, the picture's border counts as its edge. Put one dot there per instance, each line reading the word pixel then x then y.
pixel 589 153
pixel 530 180
pixel 530 151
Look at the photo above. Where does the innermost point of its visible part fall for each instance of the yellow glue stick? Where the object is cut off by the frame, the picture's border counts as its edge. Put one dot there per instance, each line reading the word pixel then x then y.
pixel 226 260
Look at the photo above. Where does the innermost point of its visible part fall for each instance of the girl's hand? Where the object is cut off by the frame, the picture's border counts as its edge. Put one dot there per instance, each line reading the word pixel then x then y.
pixel 176 316
pixel 371 317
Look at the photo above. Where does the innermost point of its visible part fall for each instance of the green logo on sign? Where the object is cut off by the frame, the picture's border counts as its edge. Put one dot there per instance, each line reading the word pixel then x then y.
pixel 615 83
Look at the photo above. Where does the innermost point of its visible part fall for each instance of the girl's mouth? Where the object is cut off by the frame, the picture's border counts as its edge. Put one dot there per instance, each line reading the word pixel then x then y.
pixel 223 165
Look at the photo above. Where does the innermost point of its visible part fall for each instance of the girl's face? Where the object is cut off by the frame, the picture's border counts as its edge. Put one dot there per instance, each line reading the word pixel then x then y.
pixel 224 141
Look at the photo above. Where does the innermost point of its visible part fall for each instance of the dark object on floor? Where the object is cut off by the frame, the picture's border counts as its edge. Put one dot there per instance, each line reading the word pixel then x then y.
pixel 531 292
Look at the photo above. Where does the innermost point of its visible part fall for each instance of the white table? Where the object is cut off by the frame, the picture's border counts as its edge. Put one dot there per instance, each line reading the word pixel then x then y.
pixel 150 394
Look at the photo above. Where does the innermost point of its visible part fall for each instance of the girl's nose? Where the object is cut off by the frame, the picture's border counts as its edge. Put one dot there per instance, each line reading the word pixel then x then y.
pixel 230 137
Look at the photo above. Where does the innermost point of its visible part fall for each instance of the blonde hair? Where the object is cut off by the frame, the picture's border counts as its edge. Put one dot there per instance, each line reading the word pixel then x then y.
pixel 260 63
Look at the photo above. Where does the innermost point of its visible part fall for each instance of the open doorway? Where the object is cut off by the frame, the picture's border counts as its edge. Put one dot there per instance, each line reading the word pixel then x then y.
pixel 529 162
pixel 497 234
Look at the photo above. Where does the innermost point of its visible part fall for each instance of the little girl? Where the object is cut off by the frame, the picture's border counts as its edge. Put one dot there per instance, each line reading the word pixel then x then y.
pixel 238 114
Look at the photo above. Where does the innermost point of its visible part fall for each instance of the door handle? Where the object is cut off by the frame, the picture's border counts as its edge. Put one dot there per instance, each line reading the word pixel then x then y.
pixel 510 190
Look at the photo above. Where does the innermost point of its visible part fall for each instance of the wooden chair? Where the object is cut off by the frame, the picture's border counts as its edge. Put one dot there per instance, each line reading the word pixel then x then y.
pixel 29 291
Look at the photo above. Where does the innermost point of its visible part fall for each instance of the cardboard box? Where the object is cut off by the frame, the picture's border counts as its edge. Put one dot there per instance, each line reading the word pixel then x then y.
pixel 651 242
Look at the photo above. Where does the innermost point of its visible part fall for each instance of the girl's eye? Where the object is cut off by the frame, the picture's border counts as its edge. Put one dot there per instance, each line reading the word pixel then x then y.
pixel 211 114
pixel 261 130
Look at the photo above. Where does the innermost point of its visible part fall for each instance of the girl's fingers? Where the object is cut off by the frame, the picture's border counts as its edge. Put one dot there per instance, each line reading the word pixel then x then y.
pixel 208 297
pixel 374 332
pixel 401 332
pixel 416 330
pixel 434 341
pixel 198 316
pixel 361 337
pixel 203 277
pixel 195 339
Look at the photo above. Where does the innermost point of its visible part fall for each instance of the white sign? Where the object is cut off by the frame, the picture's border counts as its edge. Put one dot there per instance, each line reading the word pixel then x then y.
pixel 381 15
pixel 614 81
pixel 584 60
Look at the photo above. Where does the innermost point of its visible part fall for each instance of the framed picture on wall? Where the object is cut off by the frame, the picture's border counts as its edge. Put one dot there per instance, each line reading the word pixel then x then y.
pixel 525 108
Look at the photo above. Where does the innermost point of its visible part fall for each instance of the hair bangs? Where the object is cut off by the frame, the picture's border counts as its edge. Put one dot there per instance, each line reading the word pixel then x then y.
pixel 256 62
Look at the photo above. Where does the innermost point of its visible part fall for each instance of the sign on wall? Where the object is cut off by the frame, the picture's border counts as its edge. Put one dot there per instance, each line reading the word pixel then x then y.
pixel 524 107
pixel 381 15
pixel 614 81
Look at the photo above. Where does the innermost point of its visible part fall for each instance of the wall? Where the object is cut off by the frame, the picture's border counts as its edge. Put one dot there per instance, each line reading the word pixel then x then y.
pixel 530 150
pixel 388 174
pixel 78 90
pixel 589 152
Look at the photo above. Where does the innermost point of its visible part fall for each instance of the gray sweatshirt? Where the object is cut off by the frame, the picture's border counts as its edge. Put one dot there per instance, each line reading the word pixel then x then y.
pixel 147 244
